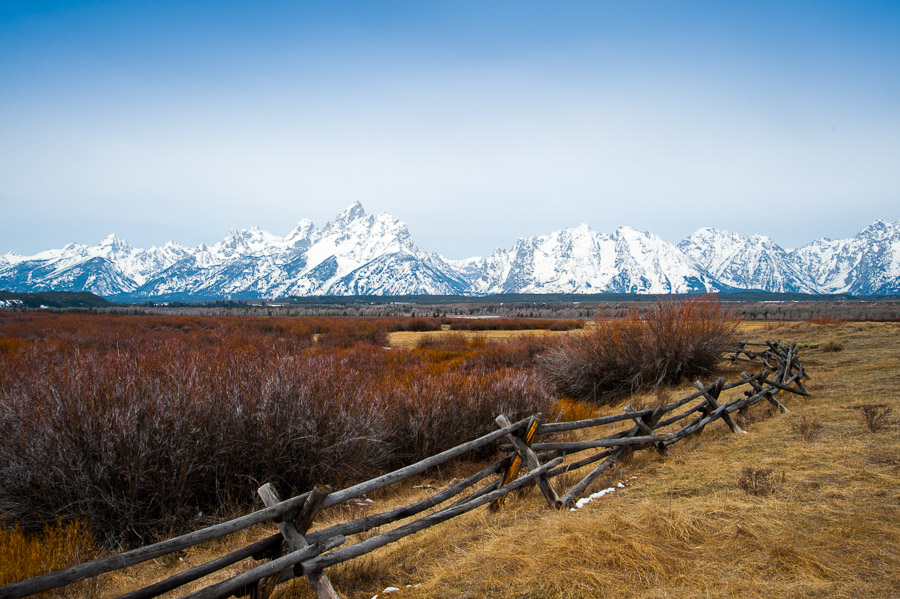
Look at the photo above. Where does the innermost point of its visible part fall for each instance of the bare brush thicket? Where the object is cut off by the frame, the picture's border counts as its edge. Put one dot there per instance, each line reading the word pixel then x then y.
pixel 140 426
pixel 668 343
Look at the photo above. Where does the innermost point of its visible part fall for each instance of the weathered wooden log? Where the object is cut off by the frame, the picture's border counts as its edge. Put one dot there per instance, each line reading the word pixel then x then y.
pixel 295 539
pixel 651 422
pixel 311 507
pixel 564 451
pixel 531 461
pixel 739 359
pixel 747 402
pixel 784 387
pixel 775 348
pixel 488 488
pixel 559 427
pixel 197 572
pixel 136 556
pixel 684 400
pixel 284 563
pixel 785 372
pixel 370 544
pixel 799 365
pixel 579 464
pixel 759 375
pixel 572 446
pixel 767 394
pixel 397 475
pixel 645 428
pixel 569 496
pixel 369 522
pixel 681 416
pixel 516 462
pixel 711 398
pixel 700 423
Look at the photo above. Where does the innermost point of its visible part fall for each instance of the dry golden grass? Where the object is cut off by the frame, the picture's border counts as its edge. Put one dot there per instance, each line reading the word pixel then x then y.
pixel 683 527
pixel 59 546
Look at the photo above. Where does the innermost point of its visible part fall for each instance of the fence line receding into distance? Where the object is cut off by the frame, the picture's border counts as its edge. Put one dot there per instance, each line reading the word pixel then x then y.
pixel 542 448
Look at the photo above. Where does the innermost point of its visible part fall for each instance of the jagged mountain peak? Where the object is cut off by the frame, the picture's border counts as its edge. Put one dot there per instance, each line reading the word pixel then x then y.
pixel 631 231
pixel 112 240
pixel 246 241
pixel 302 229
pixel 881 228
pixel 351 213
pixel 361 253
pixel 754 262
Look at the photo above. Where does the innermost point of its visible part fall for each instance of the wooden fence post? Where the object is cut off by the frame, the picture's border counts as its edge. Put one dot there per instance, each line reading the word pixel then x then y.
pixel 525 453
pixel 295 539
pixel 768 394
pixel 711 398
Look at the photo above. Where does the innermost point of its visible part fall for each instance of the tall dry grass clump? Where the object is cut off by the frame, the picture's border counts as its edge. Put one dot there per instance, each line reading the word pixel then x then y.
pixel 672 341
pixel 59 545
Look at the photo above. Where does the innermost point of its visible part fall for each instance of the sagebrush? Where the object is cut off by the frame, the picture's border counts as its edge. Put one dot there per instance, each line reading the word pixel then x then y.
pixel 672 341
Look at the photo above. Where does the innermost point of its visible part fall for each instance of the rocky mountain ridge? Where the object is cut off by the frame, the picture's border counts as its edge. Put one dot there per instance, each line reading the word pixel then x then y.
pixel 365 254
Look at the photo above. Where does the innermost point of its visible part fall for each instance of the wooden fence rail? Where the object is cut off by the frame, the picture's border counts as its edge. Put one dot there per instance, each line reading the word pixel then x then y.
pixel 538 446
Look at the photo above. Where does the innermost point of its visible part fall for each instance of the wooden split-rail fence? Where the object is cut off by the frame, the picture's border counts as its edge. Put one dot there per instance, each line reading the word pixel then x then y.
pixel 541 447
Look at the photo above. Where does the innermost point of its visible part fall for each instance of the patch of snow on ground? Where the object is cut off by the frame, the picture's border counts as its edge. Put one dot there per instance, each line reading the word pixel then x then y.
pixel 586 500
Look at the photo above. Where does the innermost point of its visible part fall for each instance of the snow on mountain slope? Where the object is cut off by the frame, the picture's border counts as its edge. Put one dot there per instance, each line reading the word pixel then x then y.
pixel 397 274
pixel 75 267
pixel 866 264
pixel 364 254
pixel 579 260
pixel 356 253
pixel 746 263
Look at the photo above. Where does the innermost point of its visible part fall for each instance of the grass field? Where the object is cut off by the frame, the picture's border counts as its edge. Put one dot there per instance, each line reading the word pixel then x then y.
pixel 825 521
pixel 684 527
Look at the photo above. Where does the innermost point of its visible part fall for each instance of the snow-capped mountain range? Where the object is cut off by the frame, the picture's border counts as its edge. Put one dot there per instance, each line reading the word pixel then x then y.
pixel 365 254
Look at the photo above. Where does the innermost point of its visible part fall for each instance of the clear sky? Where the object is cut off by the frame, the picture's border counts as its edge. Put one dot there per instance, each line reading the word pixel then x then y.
pixel 474 122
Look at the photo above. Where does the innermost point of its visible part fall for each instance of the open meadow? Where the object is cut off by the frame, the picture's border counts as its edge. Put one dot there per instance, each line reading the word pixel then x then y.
pixel 180 419
pixel 807 504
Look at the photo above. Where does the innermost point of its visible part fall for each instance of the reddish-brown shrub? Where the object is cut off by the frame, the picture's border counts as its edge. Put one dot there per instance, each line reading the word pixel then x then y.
pixel 824 320
pixel 141 426
pixel 665 344
pixel 520 352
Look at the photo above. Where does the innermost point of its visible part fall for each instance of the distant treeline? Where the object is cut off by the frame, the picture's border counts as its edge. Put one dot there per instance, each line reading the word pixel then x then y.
pixel 478 315
pixel 748 305
pixel 55 299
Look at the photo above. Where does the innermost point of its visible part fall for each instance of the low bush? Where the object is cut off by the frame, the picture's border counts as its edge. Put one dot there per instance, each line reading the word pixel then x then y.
pixel 832 346
pixel 760 481
pixel 807 427
pixel 875 416
pixel 824 320
pixel 665 344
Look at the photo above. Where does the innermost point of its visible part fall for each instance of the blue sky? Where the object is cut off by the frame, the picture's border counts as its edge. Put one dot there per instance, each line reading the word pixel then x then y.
pixel 473 122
